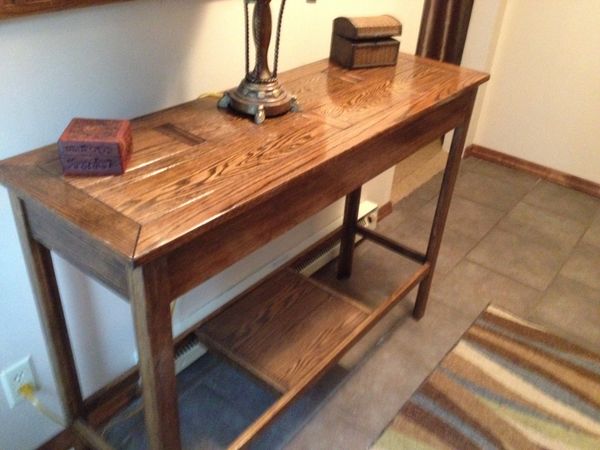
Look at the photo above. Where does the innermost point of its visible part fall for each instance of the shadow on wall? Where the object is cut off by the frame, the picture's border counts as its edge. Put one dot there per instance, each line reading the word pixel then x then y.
pixel 117 60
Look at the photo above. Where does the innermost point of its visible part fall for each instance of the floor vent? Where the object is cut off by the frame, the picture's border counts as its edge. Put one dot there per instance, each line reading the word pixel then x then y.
pixel 188 353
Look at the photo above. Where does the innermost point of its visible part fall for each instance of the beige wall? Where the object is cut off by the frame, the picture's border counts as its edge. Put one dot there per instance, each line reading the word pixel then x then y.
pixel 480 48
pixel 543 101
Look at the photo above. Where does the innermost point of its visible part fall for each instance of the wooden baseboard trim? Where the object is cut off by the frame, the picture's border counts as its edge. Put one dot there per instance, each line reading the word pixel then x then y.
pixel 546 173
pixel 64 440
pixel 384 211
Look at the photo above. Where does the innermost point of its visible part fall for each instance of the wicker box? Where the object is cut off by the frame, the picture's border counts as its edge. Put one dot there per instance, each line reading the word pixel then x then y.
pixel 365 41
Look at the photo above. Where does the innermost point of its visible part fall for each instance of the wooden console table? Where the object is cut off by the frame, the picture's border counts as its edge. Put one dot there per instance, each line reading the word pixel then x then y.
pixel 204 189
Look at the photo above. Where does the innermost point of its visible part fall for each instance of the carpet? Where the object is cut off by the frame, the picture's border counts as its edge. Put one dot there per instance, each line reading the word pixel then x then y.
pixel 506 384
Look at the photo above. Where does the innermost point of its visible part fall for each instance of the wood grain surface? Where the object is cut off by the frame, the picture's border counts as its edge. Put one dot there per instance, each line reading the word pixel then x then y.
pixel 16 8
pixel 442 210
pixel 283 329
pixel 194 166
pixel 303 197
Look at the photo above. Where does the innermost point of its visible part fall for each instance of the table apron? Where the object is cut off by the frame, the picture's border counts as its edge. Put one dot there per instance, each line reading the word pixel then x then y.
pixel 87 254
pixel 214 251
pixel 210 253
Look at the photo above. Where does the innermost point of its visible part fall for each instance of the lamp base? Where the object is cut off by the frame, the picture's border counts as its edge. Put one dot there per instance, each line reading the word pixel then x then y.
pixel 260 100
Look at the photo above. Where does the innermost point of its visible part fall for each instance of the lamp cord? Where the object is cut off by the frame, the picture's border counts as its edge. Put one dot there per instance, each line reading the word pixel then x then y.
pixel 247 18
pixel 278 39
pixel 28 392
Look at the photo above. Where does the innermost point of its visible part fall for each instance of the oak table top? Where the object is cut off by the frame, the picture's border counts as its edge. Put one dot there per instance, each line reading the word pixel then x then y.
pixel 195 166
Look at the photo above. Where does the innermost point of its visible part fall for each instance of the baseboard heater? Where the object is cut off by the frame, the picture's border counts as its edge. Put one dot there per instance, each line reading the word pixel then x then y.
pixel 192 350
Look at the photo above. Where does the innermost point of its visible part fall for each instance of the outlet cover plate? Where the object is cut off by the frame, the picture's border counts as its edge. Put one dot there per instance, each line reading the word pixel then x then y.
pixel 14 377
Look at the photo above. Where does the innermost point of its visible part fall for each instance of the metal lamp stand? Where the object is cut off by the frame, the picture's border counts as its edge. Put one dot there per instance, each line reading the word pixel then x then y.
pixel 260 94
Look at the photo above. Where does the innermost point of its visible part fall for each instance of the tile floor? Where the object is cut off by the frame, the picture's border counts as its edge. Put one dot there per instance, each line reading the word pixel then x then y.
pixel 521 243
pixel 511 239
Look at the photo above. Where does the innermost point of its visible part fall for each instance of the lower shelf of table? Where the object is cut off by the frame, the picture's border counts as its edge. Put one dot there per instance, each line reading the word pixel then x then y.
pixel 285 330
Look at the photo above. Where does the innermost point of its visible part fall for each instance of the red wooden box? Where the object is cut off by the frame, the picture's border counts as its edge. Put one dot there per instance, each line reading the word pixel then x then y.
pixel 95 147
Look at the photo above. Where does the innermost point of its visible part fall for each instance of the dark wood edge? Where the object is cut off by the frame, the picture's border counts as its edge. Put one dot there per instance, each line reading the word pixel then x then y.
pixel 153 326
pixel 546 173
pixel 339 295
pixel 444 117
pixel 8 11
pixel 63 440
pixel 107 401
pixel 91 257
pixel 20 179
pixel 348 237
pixel 384 210
pixel 260 379
pixel 443 205
pixel 391 245
pixel 232 357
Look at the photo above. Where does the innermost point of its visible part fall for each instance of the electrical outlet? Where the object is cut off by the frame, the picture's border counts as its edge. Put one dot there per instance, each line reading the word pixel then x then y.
pixel 14 377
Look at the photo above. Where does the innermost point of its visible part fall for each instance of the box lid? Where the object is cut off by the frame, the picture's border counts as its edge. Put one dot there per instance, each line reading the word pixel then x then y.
pixel 367 27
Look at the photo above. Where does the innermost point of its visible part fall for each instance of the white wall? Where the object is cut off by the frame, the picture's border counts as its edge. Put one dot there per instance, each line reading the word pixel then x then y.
pixel 543 101
pixel 124 60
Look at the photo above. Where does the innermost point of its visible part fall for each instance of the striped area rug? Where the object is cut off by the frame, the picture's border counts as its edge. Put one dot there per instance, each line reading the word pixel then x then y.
pixel 506 384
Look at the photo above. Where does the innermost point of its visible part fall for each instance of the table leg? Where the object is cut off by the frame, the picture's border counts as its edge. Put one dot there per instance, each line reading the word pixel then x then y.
pixel 441 214
pixel 149 295
pixel 43 280
pixel 348 234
